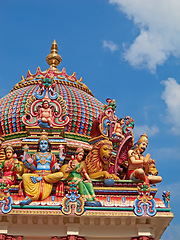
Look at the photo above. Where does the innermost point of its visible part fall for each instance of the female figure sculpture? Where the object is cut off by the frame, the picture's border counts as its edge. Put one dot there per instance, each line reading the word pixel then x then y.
pixel 75 169
pixel 9 166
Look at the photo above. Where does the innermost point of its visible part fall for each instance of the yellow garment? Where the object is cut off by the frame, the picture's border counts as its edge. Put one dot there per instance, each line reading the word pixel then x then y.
pixel 42 189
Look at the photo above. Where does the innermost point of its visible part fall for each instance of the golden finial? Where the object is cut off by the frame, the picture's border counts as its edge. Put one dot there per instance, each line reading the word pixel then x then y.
pixel 54 59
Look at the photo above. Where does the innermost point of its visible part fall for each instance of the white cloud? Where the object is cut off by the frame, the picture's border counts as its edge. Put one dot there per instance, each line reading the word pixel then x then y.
pixel 150 131
pixel 110 45
pixel 159 35
pixel 171 96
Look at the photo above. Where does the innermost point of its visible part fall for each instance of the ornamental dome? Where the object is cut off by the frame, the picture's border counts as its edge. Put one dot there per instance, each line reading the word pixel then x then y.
pixel 82 107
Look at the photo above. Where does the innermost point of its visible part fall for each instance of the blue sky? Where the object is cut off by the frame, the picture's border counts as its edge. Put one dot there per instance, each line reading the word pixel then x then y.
pixel 123 49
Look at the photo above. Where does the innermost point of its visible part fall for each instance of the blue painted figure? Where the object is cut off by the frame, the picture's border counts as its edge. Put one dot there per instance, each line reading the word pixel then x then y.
pixel 45 171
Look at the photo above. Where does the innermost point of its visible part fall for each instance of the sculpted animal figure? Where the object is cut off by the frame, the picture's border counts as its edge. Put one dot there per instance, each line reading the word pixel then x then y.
pixel 98 159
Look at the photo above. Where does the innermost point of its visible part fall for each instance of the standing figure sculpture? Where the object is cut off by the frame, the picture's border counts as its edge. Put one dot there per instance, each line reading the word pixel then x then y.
pixel 9 167
pixel 43 164
pixel 76 170
pixel 138 165
pixel 118 131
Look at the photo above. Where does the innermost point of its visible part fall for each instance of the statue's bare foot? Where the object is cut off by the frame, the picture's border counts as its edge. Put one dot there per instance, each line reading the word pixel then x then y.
pixel 26 201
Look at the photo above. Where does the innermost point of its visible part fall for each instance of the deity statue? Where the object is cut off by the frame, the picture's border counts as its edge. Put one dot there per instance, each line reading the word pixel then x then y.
pixel 118 131
pixel 2 153
pixel 76 170
pixel 45 171
pixel 9 166
pixel 45 113
pixel 138 165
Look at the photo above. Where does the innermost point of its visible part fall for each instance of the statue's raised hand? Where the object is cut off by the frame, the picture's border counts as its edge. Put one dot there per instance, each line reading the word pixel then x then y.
pixel 57 166
pixel 29 159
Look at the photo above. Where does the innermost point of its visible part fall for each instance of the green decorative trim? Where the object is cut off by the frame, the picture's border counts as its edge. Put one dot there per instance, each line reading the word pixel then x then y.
pixel 163 209
pixel 77 137
pixel 87 208
pixel 36 207
pixel 109 208
pixel 15 136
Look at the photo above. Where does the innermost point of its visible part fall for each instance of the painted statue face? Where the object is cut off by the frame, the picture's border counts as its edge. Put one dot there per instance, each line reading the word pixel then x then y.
pixel 142 147
pixel 43 145
pixel 9 154
pixel 80 156
pixel 45 105
pixel 122 121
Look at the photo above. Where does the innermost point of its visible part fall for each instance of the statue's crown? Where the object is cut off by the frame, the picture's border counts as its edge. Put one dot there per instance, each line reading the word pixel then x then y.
pixel 44 136
pixel 9 147
pixel 143 138
pixel 79 149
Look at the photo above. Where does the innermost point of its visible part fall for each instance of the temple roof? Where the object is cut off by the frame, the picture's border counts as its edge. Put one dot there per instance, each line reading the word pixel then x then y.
pixel 83 108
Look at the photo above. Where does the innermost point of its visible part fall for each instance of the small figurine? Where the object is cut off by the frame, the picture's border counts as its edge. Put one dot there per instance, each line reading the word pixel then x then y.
pixel 75 169
pixel 45 113
pixel 2 153
pixel 9 166
pixel 138 165
pixel 118 131
pixel 38 185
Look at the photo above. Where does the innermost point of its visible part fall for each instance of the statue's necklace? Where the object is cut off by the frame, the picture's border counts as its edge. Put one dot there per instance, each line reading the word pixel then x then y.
pixel 43 157
pixel 9 164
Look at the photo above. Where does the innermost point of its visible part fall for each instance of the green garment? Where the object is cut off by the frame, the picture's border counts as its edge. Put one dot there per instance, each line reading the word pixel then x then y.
pixel 85 189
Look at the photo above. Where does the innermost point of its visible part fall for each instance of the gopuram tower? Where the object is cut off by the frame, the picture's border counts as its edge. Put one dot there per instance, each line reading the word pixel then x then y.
pixel 70 168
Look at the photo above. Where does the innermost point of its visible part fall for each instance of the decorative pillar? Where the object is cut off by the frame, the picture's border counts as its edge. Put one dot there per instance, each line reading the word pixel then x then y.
pixel 142 238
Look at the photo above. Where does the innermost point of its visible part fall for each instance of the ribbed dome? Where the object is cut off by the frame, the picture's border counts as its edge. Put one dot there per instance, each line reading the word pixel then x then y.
pixel 82 107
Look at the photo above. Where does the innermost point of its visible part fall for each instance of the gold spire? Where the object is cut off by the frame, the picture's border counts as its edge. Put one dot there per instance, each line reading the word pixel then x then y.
pixel 54 59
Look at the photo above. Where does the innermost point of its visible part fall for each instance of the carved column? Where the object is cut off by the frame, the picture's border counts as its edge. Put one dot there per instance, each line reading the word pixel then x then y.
pixel 142 238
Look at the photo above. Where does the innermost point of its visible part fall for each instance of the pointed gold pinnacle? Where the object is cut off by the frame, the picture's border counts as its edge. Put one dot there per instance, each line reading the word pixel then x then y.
pixel 54 59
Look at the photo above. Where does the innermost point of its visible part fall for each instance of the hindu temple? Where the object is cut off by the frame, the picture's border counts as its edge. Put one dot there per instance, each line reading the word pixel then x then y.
pixel 70 168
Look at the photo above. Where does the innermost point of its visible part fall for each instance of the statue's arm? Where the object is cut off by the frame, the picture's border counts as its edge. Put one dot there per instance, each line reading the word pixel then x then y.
pixel 70 167
pixel 133 161
pixel 28 161
pixel 40 113
pixel 55 167
pixel 2 165
pixel 62 156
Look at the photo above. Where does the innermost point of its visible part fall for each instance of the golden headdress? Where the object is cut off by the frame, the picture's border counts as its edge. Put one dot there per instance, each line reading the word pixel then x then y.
pixel 44 136
pixel 9 147
pixel 79 149
pixel 143 138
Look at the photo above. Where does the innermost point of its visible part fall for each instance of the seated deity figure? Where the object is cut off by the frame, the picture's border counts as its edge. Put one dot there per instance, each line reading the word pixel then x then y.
pixel 76 171
pixel 45 171
pixel 138 165
pixel 45 113
pixel 118 132
pixel 9 167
